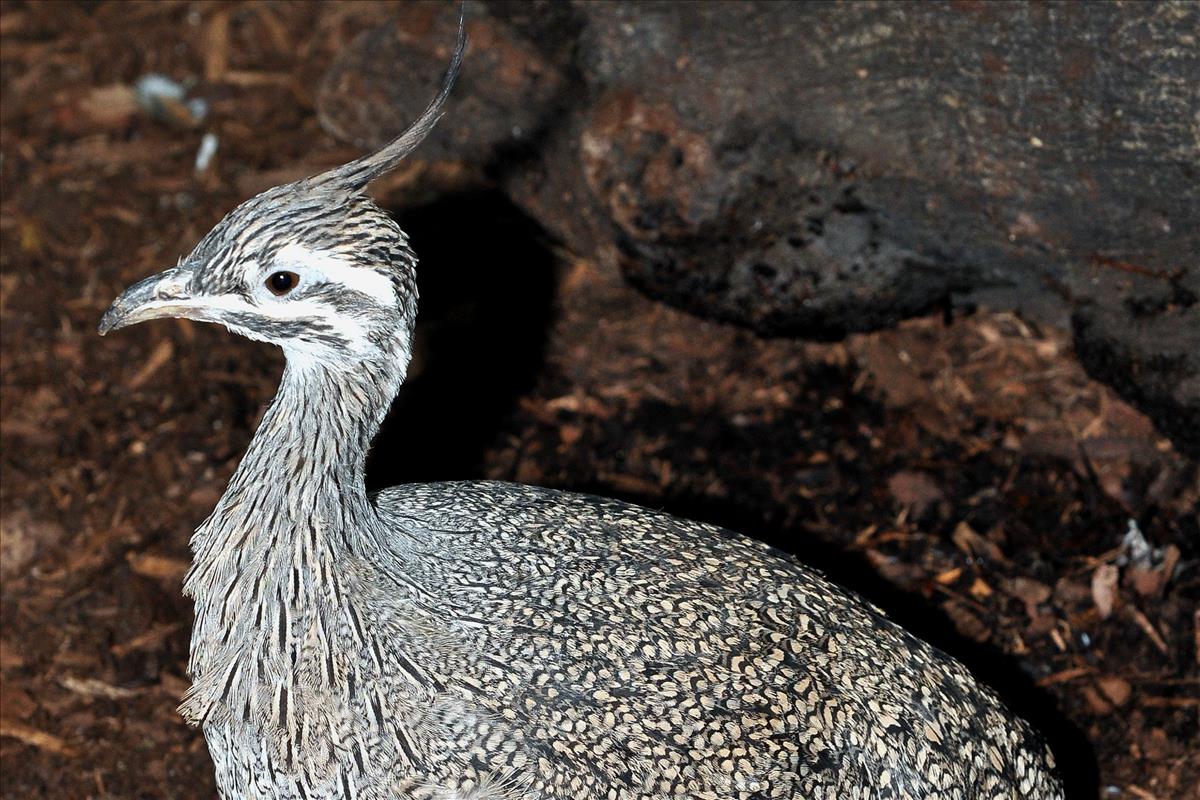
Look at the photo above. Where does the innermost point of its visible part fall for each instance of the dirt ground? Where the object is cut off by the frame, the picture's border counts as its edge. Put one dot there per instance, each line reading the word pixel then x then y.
pixel 962 472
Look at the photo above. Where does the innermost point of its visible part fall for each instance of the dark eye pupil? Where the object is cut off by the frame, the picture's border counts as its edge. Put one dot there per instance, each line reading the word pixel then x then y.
pixel 282 282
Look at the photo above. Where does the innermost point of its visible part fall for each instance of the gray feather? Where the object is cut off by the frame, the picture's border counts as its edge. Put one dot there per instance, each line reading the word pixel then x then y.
pixel 355 175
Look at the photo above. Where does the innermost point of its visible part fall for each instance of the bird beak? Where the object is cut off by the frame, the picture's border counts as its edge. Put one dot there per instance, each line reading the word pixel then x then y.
pixel 163 295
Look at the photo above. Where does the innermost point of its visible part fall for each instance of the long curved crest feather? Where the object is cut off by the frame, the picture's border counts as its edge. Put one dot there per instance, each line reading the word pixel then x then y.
pixel 355 175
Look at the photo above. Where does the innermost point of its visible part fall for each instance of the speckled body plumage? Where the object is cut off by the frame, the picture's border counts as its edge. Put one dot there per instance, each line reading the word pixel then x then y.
pixel 501 642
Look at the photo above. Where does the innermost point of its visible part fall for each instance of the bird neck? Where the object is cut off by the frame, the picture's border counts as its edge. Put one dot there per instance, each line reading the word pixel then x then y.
pixel 268 560
pixel 311 446
pixel 298 503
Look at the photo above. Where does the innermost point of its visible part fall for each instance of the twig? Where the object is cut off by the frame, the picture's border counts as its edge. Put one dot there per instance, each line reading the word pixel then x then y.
pixel 1170 702
pixel 1125 266
pixel 93 687
pixel 1148 627
pixel 1064 675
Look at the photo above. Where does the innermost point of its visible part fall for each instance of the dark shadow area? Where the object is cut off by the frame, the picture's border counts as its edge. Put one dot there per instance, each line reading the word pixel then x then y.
pixel 486 282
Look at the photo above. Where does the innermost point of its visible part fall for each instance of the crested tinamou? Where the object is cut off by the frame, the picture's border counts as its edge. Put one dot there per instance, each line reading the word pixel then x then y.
pixel 494 641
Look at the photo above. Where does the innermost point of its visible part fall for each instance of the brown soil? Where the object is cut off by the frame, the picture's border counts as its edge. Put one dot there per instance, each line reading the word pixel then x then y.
pixel 963 472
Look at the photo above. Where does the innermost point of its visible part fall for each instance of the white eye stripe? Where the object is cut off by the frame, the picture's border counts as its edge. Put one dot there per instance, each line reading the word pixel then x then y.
pixel 314 265
pixel 297 309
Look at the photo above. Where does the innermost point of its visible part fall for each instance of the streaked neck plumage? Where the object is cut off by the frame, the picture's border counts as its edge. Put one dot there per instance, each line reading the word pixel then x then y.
pixel 295 510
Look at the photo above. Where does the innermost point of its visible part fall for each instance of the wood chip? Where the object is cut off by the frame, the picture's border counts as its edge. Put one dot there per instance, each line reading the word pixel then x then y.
pixel 967 623
pixel 1064 675
pixel 23 538
pixel 1115 690
pixel 216 46
pixel 146 641
pixel 570 434
pixel 173 685
pixel 631 484
pixel 249 79
pixel 980 589
pixel 110 106
pixel 1095 703
pixel 1150 581
pixel 949 576
pixel 161 354
pixel 278 34
pixel 1150 630
pixel 100 153
pixel 153 566
pixel 93 687
pixel 1104 589
pixel 1170 702
pixel 973 544
pixel 1030 592
pixel 16 703
pixel 35 738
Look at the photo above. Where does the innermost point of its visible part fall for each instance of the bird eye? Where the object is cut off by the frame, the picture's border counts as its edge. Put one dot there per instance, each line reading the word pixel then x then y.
pixel 280 283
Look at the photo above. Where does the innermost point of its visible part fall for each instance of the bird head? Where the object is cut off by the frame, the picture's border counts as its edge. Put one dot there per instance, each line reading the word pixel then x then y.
pixel 326 275
pixel 312 266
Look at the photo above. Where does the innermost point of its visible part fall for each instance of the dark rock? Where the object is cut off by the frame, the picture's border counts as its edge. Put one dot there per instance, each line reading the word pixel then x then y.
pixel 1139 331
pixel 506 90
pixel 817 169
